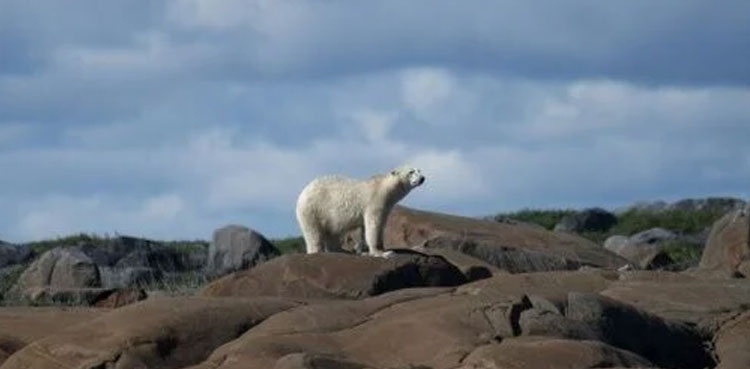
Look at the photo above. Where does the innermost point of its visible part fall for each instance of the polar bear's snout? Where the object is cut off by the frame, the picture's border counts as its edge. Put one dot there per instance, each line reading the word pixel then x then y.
pixel 416 178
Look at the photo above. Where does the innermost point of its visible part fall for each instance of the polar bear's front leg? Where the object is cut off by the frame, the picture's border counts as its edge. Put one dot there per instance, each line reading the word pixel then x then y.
pixel 374 223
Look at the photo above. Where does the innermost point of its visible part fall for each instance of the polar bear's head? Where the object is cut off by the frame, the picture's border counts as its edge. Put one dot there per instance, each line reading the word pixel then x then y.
pixel 408 176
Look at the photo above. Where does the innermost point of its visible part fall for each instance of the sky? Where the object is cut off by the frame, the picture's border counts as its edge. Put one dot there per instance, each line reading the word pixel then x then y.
pixel 169 119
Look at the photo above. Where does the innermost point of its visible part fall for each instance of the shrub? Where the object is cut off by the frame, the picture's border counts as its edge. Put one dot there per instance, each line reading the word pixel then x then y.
pixel 545 218
pixel 290 245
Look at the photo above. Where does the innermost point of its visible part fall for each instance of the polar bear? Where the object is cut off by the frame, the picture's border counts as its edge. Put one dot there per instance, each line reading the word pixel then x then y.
pixel 330 206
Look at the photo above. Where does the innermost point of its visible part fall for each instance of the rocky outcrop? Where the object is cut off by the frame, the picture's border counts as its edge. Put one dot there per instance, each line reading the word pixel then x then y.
pixel 727 251
pixel 732 343
pixel 512 247
pixel 158 333
pixel 551 353
pixel 60 268
pixel 235 248
pixel 336 275
pixel 20 326
pixel 122 262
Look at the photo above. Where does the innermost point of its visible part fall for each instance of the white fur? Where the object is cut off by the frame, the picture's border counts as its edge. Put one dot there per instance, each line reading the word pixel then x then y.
pixel 330 206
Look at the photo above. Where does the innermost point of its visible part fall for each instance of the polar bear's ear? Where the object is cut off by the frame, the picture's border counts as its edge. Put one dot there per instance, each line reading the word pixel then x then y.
pixel 394 172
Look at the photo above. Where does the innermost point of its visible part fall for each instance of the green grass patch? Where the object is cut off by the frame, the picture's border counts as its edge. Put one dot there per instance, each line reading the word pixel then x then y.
pixel 681 221
pixel 683 252
pixel 290 245
pixel 545 218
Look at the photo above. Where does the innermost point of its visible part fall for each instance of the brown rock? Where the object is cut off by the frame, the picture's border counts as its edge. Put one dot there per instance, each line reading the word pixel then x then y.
pixel 156 333
pixel 732 343
pixel 681 296
pixel 666 343
pixel 22 325
pixel 402 329
pixel 310 361
pixel 550 353
pixel 336 275
pixel 516 248
pixel 553 286
pixel 473 268
pixel 120 297
pixel 728 244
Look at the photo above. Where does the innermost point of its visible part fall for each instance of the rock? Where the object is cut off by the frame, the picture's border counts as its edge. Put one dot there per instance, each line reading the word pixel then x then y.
pixel 120 297
pixel 539 322
pixel 728 245
pixel 158 333
pixel 666 343
pixel 550 353
pixel 732 343
pixel 407 328
pixel 681 296
pixel 99 297
pixel 236 247
pixel 336 275
pixel 552 286
pixel 473 268
pixel 616 243
pixel 13 254
pixel 316 361
pixel 20 326
pixel 589 220
pixel 644 249
pixel 515 248
pixel 60 268
pixel 652 236
pixel 129 276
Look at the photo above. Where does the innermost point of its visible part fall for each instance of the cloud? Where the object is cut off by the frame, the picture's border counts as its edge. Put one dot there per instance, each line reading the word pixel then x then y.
pixel 188 114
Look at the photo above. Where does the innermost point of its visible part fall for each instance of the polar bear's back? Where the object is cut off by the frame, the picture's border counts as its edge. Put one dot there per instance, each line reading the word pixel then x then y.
pixel 334 203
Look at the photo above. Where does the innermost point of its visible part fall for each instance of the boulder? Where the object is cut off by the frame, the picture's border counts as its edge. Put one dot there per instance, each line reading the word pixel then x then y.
pixel 616 243
pixel 515 248
pixel 668 344
pixel 13 254
pixel 644 249
pixel 412 328
pixel 732 343
pixel 652 236
pixel 156 333
pixel 681 296
pixel 589 220
pixel 60 268
pixel 336 275
pixel 20 326
pixel 446 247
pixel 543 322
pixel 236 247
pixel 728 245
pixel 551 353
pixel 552 286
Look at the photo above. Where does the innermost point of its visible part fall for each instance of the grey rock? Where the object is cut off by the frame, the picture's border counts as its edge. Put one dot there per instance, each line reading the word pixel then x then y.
pixel 666 343
pixel 63 268
pixel 617 243
pixel 235 247
pixel 652 236
pixel 589 220
pixel 13 254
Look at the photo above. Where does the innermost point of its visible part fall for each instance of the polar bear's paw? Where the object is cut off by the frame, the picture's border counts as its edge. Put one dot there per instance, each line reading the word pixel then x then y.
pixel 382 254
